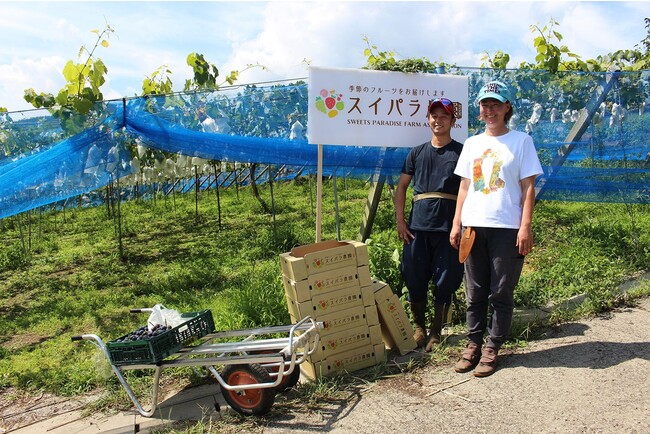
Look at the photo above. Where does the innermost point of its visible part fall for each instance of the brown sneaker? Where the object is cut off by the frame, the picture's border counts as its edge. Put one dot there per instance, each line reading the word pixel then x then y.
pixel 488 363
pixel 469 358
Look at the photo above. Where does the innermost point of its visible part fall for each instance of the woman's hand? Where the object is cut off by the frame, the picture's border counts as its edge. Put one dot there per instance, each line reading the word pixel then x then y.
pixel 525 240
pixel 454 236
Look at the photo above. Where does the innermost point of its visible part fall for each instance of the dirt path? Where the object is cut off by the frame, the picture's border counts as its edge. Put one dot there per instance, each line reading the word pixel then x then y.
pixel 583 377
pixel 588 376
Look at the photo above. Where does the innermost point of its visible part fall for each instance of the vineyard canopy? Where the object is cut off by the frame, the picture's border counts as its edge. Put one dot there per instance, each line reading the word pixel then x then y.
pixel 157 140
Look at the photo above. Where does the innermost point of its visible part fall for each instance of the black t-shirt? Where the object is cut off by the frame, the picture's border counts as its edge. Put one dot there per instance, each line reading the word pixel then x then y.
pixel 433 171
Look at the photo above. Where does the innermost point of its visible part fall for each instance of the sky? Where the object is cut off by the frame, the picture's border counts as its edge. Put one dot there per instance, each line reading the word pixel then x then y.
pixel 38 38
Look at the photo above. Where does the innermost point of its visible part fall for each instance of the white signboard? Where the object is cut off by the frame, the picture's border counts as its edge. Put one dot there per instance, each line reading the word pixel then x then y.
pixel 379 108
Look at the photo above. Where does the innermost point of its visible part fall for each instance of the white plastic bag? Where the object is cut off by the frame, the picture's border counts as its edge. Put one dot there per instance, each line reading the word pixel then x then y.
pixel 163 316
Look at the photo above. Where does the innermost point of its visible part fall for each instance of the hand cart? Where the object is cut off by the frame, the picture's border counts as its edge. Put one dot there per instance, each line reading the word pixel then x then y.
pixel 254 370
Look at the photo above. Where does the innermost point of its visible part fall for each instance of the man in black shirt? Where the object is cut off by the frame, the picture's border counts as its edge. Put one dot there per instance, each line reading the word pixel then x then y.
pixel 427 255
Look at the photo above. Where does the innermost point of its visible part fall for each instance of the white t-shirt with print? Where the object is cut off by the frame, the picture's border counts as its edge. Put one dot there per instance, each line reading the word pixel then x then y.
pixel 494 166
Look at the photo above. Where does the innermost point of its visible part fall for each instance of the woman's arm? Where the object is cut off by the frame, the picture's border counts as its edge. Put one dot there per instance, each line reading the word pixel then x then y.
pixel 525 234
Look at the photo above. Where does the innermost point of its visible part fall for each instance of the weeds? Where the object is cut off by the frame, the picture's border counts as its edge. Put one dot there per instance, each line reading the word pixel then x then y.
pixel 14 257
pixel 69 278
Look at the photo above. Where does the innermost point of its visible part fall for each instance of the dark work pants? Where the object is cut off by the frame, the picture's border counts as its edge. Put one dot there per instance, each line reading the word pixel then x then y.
pixel 430 257
pixel 492 271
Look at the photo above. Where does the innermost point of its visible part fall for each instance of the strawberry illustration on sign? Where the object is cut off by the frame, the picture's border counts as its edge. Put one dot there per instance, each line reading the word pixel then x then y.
pixel 329 102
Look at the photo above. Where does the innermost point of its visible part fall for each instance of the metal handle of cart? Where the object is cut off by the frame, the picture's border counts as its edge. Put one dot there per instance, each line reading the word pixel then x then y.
pixel 283 354
pixel 99 343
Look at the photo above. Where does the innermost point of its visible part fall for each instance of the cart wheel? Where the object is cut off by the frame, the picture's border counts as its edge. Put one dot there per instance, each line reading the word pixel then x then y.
pixel 288 381
pixel 249 402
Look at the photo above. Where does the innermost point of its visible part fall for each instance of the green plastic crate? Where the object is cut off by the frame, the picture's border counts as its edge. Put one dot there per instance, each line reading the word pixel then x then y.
pixel 164 345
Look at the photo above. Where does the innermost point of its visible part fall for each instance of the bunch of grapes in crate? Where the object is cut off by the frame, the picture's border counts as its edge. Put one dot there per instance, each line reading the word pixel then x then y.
pixel 143 333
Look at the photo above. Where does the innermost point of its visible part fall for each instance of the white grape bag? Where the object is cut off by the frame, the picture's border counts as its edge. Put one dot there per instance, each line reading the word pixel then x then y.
pixel 163 316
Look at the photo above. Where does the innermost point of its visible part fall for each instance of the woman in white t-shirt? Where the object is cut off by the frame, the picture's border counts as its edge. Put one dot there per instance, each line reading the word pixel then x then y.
pixel 496 198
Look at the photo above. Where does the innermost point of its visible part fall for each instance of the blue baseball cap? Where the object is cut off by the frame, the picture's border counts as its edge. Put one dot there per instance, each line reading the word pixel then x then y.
pixel 496 90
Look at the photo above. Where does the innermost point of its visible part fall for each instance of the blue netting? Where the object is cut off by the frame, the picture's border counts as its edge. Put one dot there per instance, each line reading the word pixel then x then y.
pixel 160 143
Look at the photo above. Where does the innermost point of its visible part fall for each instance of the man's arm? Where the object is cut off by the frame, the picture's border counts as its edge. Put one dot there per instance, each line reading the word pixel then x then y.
pixel 456 229
pixel 399 200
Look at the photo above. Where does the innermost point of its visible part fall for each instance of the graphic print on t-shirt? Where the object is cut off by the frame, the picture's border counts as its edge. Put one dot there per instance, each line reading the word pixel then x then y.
pixel 488 158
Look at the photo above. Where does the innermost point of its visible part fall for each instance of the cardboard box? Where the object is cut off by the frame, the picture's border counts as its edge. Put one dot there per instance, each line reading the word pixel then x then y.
pixel 334 301
pixel 381 289
pixel 343 320
pixel 303 261
pixel 292 307
pixel 345 340
pixel 321 283
pixel 367 295
pixel 397 331
pixel 349 361
pixel 362 252
pixel 380 353
pixel 372 317
pixel 375 334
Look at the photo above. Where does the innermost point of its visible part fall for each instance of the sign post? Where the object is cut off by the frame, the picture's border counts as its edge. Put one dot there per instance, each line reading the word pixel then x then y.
pixel 319 193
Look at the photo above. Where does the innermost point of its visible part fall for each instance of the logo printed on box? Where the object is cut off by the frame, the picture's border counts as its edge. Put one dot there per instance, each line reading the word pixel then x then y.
pixel 350 360
pixel 355 358
pixel 342 342
pixel 303 261
pixel 331 260
pixel 325 304
pixel 334 281
pixel 342 319
pixel 395 326
pixel 316 284
pixel 329 303
pixel 342 322
pixel 332 344
pixel 392 307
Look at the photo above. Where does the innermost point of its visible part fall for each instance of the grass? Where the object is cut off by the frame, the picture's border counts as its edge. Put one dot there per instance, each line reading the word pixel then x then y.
pixel 585 248
pixel 61 272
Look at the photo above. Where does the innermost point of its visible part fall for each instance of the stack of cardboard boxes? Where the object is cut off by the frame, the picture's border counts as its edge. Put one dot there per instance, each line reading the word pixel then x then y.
pixel 330 281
